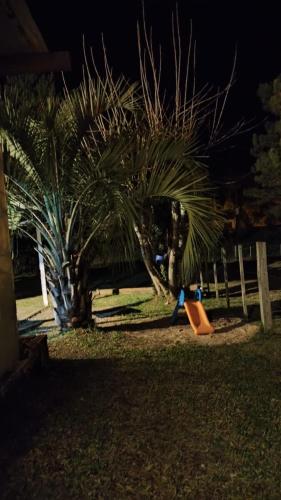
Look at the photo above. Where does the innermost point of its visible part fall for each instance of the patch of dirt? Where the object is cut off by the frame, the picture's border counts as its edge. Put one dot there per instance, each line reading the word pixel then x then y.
pixel 158 332
pixel 140 333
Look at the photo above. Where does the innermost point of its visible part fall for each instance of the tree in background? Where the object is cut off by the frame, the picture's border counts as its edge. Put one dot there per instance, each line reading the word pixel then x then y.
pixel 267 151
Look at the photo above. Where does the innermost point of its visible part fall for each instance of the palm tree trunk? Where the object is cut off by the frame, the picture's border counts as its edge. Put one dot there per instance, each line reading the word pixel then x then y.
pixel 179 231
pixel 159 284
pixel 68 287
pixel 71 298
pixel 173 254
pixel 81 296
pixel 60 296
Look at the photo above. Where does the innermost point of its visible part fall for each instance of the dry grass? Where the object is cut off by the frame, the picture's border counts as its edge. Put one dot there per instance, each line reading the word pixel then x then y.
pixel 132 411
pixel 108 421
pixel 28 306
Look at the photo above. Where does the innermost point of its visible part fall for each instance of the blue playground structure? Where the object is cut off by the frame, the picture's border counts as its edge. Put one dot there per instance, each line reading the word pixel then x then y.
pixel 183 295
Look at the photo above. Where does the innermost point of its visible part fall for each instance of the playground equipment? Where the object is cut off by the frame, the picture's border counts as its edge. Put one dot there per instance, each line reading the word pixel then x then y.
pixel 198 294
pixel 195 312
pixel 179 304
pixel 197 317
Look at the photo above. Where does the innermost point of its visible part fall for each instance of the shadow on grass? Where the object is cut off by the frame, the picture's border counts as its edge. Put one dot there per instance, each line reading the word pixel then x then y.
pixel 113 311
pixel 213 315
pixel 229 328
pixel 26 408
pixel 83 403
pixel 235 290
pixel 118 311
pixel 27 325
pixel 163 322
pixel 222 312
pixel 237 311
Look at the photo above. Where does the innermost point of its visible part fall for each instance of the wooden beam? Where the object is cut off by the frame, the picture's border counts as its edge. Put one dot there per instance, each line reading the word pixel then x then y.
pixel 242 279
pixel 9 346
pixel 265 305
pixel 27 26
pixel 18 30
pixel 44 62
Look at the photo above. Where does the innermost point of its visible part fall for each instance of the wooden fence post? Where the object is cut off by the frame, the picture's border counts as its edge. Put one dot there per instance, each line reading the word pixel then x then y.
pixel 223 255
pixel 207 277
pixel 242 278
pixel 216 279
pixel 201 280
pixel 42 269
pixel 265 305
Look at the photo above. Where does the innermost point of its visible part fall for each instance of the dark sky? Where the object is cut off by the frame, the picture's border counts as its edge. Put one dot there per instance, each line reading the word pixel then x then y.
pixel 218 26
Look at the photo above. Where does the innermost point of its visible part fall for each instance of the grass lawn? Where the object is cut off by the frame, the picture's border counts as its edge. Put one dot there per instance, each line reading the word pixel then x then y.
pixel 113 420
pixel 28 306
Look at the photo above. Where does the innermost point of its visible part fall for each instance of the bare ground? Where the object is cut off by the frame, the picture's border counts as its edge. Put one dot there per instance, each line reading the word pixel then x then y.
pixel 157 331
pixel 139 332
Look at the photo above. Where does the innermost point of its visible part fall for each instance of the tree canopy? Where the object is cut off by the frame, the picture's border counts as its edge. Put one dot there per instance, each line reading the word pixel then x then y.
pixel 267 151
pixel 89 165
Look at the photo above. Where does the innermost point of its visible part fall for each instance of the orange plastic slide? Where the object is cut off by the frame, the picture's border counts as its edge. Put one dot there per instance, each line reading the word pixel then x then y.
pixel 197 317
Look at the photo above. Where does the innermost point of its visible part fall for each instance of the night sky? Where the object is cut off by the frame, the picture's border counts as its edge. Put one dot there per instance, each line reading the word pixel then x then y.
pixel 218 28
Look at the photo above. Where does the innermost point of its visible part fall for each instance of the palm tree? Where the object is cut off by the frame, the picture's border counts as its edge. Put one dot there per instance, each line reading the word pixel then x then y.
pixel 62 188
pixel 88 165
pixel 185 128
pixel 162 169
